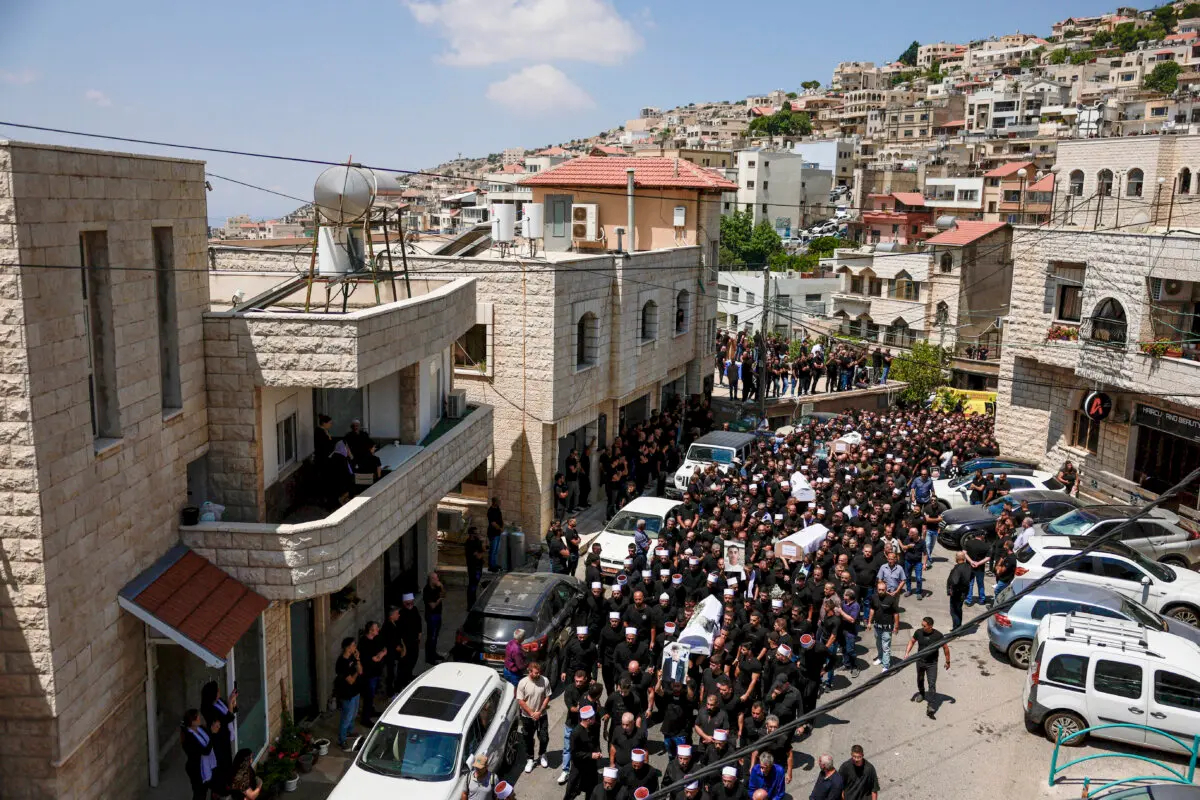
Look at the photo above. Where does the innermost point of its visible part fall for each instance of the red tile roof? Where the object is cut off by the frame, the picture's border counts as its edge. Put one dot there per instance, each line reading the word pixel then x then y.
pixel 512 168
pixel 910 198
pixel 965 232
pixel 551 151
pixel 954 123
pixel 1179 37
pixel 608 150
pixel 762 111
pixel 1010 169
pixel 663 173
pixel 186 596
pixel 1044 184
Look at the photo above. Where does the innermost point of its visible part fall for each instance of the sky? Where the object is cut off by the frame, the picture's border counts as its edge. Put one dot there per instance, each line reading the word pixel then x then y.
pixel 409 84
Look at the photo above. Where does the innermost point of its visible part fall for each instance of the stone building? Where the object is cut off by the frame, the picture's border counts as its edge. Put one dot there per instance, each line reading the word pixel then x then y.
pixel 1083 304
pixel 128 396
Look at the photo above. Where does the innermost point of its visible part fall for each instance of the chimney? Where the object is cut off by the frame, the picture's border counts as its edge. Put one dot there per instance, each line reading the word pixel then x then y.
pixel 629 205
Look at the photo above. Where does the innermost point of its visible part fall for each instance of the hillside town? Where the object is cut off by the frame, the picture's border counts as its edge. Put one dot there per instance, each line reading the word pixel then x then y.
pixel 840 441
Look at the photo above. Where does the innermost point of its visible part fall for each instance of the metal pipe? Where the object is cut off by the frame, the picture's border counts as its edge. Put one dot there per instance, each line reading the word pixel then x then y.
pixel 629 206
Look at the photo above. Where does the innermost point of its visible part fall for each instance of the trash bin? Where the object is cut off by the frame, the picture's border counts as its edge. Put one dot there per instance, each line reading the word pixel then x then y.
pixel 516 549
pixel 189 516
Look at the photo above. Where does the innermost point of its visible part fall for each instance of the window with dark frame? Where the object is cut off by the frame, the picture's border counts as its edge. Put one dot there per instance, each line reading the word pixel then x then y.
pixel 470 349
pixel 1086 433
pixel 1069 306
pixel 98 320
pixel 168 321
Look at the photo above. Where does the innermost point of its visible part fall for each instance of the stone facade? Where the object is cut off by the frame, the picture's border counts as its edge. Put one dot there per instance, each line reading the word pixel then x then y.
pixel 82 516
pixel 302 560
pixel 1042 383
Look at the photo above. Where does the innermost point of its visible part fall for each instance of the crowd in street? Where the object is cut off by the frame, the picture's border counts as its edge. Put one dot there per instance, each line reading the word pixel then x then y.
pixel 790 622
pixel 796 367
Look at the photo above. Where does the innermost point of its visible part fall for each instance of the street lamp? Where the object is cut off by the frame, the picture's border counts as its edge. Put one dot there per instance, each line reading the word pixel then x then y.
pixel 1021 173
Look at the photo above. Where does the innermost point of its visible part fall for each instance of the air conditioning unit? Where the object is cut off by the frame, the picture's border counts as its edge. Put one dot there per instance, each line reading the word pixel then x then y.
pixel 449 521
pixel 456 404
pixel 1169 289
pixel 585 222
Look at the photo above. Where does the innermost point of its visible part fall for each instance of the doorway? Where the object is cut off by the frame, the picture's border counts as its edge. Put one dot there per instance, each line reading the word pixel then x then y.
pixel 305 704
pixel 1162 460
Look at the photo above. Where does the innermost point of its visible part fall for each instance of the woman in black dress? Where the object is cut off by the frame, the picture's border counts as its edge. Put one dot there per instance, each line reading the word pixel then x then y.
pixel 215 709
pixel 197 741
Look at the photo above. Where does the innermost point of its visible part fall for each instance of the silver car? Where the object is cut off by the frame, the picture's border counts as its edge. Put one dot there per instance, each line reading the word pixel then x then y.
pixel 1013 631
pixel 1158 536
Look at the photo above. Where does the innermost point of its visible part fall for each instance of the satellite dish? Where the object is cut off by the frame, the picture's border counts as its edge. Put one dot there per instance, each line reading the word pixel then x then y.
pixel 344 194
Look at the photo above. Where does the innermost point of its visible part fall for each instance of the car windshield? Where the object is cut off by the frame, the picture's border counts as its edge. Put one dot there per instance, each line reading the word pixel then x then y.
pixel 401 752
pixel 1072 523
pixel 961 481
pixel 714 455
pixel 1139 613
pixel 493 627
pixel 996 508
pixel 626 522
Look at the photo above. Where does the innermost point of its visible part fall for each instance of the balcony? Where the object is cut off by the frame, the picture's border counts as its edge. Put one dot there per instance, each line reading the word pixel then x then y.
pixel 294 561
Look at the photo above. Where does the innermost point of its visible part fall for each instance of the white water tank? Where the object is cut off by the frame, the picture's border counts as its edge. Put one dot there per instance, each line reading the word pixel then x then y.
pixel 344 194
pixel 339 250
pixel 535 220
pixel 505 216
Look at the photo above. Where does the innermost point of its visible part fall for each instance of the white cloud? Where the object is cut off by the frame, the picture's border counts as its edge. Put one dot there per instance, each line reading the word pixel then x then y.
pixel 483 32
pixel 539 89
pixel 97 98
pixel 20 77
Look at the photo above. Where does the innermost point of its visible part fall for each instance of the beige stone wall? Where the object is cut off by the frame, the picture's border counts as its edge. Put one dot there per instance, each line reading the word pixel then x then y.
pixel 277 625
pixel 103 517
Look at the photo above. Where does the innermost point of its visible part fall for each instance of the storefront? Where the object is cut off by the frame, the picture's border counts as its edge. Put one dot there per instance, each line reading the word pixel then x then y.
pixel 1167 449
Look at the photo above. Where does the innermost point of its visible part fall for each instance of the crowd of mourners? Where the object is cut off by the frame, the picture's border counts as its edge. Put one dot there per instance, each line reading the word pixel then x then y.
pixel 789 622
pixel 796 367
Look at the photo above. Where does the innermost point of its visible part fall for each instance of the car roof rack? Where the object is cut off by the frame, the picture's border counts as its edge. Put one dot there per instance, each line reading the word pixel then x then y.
pixel 1107 632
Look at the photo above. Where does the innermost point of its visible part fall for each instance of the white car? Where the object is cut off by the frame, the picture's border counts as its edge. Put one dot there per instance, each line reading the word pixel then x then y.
pixel 424 742
pixel 1171 591
pixel 956 493
pixel 617 535
pixel 725 449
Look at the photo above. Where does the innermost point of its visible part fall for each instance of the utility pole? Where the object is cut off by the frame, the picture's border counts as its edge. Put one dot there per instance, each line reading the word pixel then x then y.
pixel 762 353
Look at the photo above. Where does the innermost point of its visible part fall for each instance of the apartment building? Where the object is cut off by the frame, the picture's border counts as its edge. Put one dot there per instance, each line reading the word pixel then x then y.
pixel 835 155
pixel 782 188
pixel 797 300
pixel 918 122
pixel 701 157
pixel 854 76
pixel 1018 194
pixel 953 293
pixel 896 218
pixel 957 197
pixel 512 155
pixel 460 210
pixel 1012 108
pixel 930 54
pixel 1083 304
pixel 1004 52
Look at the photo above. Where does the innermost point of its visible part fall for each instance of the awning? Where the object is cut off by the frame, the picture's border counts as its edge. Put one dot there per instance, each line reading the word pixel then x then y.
pixel 191 601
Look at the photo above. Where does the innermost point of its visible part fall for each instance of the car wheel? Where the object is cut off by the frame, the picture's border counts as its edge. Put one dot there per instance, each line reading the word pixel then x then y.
pixel 556 672
pixel 1019 653
pixel 1186 614
pixel 512 746
pixel 1175 561
pixel 1066 723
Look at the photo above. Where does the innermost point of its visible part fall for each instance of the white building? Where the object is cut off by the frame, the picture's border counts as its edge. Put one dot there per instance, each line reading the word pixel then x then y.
pixel 835 155
pixel 959 197
pixel 794 297
pixel 781 187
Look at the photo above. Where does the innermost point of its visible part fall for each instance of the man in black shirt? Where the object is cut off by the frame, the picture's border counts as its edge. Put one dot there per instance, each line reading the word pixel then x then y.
pixel 559 553
pixel 494 530
pixel 813 657
pixel 372 649
pixel 585 755
pixel 574 697
pixel 626 738
pixel 678 705
pixel 610 637
pixel 475 553
pixel 638 773
pixel 410 623
pixel 859 781
pixel 884 619
pixel 579 655
pixel 958 583
pixel 978 551
pixel 347 671
pixel 394 637
pixel 924 639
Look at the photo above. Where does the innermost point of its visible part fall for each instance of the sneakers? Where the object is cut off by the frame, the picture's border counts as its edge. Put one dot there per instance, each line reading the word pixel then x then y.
pixel 918 697
pixel 876 662
pixel 562 777
pixel 543 763
pixel 529 765
pixel 883 669
pixel 929 712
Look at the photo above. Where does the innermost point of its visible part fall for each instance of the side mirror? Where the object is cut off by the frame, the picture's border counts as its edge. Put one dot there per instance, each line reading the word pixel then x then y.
pixel 1145 580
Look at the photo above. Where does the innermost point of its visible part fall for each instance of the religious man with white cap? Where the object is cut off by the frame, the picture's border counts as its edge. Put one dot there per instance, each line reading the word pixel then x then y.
pixel 638 773
pixel 580 653
pixel 681 765
pixel 595 609
pixel 585 755
pixel 409 623
pixel 730 786
pixel 610 787
pixel 610 637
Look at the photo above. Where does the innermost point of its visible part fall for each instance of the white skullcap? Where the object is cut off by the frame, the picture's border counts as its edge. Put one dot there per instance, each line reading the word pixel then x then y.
pixel 504 790
pixel 729 772
pixel 721 735
pixel 610 772
pixel 407 597
pixel 638 756
pixel 693 784
pixel 587 712
pixel 597 585
pixel 683 750
pixel 630 630
pixel 614 615
pixel 580 630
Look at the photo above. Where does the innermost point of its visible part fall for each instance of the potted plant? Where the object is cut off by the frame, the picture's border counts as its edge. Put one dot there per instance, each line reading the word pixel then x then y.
pixel 278 771
pixel 297 741
pixel 1155 349
pixel 1062 333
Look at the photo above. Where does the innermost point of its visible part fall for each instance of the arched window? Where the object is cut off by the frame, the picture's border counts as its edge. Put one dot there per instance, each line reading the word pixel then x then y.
pixel 905 288
pixel 650 321
pixel 942 315
pixel 947 262
pixel 870 329
pixel 1104 183
pixel 1185 181
pixel 683 311
pixel 898 333
pixel 1076 186
pixel 1108 322
pixel 1133 183
pixel 585 340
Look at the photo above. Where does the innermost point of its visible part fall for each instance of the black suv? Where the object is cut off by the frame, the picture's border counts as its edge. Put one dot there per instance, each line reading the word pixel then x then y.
pixel 544 604
pixel 1044 505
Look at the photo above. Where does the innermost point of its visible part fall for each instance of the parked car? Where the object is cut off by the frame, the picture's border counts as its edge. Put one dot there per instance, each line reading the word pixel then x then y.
pixel 957 493
pixel 424 741
pixel 1090 671
pixel 617 535
pixel 543 604
pixel 1044 505
pixel 1158 535
pixel 1170 591
pixel 988 462
pixel 718 447
pixel 1012 632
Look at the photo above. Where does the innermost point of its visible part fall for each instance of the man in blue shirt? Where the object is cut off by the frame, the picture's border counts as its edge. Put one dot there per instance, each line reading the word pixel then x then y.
pixel 829 783
pixel 922 488
pixel 767 775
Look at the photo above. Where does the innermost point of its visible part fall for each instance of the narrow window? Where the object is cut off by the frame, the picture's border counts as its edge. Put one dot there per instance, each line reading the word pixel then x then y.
pixel 98 320
pixel 168 320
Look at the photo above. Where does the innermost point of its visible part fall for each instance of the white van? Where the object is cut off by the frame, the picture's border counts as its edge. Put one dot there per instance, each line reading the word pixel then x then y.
pixel 1089 670
pixel 617 535
pixel 718 447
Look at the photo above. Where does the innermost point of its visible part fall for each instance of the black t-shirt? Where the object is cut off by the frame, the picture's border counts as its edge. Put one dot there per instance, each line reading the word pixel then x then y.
pixel 858 782
pixel 345 669
pixel 885 607
pixel 577 698
pixel 367 650
pixel 923 640
pixel 679 714
pixel 555 546
pixel 475 554
pixel 977 546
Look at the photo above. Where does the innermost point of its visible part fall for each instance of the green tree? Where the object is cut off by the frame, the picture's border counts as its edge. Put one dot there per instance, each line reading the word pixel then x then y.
pixel 764 243
pixel 823 246
pixel 735 237
pixel 1163 78
pixel 1102 38
pixel 781 262
pixel 1190 11
pixel 811 85
pixel 1059 56
pixel 783 122
pixel 1165 16
pixel 792 95
pixel 922 368
pixel 1082 57
pixel 909 56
